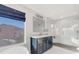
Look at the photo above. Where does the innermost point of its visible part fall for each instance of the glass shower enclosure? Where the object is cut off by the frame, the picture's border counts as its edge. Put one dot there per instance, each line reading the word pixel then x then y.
pixel 67 31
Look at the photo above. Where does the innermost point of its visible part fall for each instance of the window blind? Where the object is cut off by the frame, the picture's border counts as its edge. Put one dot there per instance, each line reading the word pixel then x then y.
pixel 11 13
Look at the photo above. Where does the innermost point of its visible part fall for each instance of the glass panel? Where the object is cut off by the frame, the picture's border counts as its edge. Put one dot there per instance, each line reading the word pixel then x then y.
pixel 11 31
pixel 67 31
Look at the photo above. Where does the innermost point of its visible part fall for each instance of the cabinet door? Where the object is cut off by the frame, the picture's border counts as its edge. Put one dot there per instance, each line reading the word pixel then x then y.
pixel 40 45
pixel 48 41
pixel 45 44
pixel 34 45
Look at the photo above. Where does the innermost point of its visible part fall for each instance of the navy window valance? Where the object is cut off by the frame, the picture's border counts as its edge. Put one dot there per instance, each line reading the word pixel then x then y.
pixel 11 13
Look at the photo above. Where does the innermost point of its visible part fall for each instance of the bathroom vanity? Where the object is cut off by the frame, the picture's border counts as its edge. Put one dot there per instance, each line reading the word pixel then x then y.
pixel 40 44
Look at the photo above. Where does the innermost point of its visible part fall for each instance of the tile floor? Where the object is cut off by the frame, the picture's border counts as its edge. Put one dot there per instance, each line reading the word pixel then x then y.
pixel 21 49
pixel 14 49
pixel 62 49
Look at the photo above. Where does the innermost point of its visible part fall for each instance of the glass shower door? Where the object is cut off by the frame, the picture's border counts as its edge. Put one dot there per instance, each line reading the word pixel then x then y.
pixel 68 31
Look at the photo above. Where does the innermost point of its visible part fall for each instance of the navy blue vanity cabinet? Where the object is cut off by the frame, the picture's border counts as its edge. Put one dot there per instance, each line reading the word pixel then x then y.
pixel 41 44
pixel 34 45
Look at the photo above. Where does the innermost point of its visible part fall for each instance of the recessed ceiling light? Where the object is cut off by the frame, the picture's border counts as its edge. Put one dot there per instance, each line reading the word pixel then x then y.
pixel 51 25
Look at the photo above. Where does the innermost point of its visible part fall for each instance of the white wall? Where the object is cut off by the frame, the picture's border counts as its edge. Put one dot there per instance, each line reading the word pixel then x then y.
pixel 55 11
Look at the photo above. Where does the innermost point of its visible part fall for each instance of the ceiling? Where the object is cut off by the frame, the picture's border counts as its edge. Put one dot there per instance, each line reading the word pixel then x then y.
pixel 54 11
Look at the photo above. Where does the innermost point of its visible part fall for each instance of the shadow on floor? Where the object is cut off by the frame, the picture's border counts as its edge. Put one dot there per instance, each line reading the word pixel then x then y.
pixel 73 48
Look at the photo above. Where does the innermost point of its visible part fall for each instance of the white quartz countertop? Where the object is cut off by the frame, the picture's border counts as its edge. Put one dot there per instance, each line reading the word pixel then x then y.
pixel 40 36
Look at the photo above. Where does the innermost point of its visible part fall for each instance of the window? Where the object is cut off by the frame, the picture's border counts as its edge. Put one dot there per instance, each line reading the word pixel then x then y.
pixel 11 26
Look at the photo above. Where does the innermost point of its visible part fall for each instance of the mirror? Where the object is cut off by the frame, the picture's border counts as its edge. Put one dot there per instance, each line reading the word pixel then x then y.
pixel 38 23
